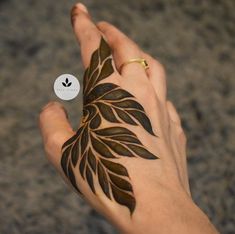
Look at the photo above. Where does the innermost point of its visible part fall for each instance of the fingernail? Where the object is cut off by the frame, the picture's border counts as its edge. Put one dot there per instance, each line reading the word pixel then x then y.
pixel 74 11
pixel 82 7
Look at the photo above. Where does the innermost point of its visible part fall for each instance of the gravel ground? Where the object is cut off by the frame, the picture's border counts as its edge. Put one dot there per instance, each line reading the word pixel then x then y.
pixel 195 42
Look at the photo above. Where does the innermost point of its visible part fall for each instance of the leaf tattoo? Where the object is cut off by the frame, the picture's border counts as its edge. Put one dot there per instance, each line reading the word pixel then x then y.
pixel 96 150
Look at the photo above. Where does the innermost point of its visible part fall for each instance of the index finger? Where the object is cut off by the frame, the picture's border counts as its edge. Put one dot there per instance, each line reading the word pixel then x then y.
pixel 86 32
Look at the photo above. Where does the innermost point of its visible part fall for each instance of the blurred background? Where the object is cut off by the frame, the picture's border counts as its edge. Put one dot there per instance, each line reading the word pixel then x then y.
pixel 194 39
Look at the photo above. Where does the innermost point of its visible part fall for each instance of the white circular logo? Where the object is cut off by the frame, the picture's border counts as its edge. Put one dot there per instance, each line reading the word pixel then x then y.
pixel 66 87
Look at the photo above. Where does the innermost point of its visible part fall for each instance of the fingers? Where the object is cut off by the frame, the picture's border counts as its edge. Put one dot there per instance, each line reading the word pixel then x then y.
pixel 55 130
pixel 124 49
pixel 86 32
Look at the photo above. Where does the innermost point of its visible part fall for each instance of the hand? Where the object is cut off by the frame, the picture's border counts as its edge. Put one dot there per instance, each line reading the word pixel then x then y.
pixel 128 156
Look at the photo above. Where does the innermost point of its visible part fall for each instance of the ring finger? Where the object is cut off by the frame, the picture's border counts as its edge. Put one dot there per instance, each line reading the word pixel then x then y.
pixel 123 50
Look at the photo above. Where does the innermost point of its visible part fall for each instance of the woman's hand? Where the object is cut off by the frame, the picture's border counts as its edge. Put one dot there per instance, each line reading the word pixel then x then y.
pixel 128 157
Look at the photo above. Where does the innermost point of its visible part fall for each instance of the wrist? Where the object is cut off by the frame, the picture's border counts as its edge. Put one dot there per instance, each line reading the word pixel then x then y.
pixel 175 213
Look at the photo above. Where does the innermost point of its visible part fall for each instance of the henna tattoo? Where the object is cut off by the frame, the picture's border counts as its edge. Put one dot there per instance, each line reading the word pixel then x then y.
pixel 97 149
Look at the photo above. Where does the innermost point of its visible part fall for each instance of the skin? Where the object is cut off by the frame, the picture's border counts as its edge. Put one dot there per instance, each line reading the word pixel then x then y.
pixel 160 195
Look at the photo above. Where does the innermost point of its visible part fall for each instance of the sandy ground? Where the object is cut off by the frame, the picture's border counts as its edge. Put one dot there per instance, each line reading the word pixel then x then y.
pixel 195 42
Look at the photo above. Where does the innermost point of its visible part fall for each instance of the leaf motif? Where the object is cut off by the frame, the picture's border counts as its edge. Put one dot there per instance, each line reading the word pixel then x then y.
pixel 103 180
pixel 111 131
pixel 120 182
pixel 125 116
pixel 106 70
pixel 124 108
pixel 84 139
pixel 66 80
pixel 73 138
pixel 107 112
pixel 123 198
pixel 143 120
pixel 64 84
pixel 91 81
pixel 128 103
pixel 141 151
pixel 69 84
pixel 123 146
pixel 104 50
pixel 98 91
pixel 83 164
pixel 75 152
pixel 94 62
pixel 101 148
pixel 118 148
pixel 72 178
pixel 92 160
pixel 117 94
pixel 131 107
pixel 89 179
pixel 115 167
pixel 95 122
pixel 89 112
pixel 126 138
pixel 65 159
pixel 98 56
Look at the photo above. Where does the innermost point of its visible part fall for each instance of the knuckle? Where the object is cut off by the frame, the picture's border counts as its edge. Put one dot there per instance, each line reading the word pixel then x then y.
pixel 160 68
pixel 181 133
pixel 178 128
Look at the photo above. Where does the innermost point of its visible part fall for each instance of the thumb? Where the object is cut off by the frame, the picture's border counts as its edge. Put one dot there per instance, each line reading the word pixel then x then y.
pixel 55 130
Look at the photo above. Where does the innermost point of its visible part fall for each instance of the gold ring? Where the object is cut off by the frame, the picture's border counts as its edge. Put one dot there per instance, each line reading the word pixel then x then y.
pixel 141 61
